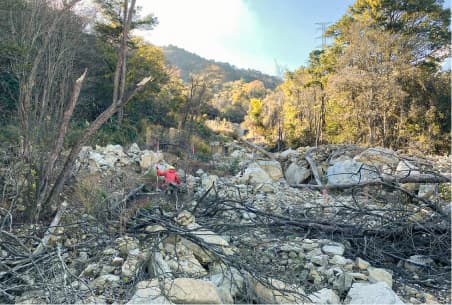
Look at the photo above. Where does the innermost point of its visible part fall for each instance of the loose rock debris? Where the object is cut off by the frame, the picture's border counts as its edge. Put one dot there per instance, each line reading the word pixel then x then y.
pixel 333 224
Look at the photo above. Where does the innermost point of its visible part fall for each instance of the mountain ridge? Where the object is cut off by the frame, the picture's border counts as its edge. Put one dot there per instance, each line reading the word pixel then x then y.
pixel 188 62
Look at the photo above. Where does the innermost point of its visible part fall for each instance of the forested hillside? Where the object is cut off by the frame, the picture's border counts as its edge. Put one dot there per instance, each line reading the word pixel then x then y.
pixel 189 62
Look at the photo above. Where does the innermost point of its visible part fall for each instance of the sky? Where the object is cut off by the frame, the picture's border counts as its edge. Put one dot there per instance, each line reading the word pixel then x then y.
pixel 246 33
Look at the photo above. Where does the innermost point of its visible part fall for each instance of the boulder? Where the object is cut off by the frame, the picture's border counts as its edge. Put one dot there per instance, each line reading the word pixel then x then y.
pixel 134 260
pixel 148 292
pixel 350 172
pixel 378 293
pixel 192 291
pixel 362 264
pixel 379 275
pixel 378 157
pixel 277 292
pixel 154 229
pixel 99 161
pixel 428 191
pixel 185 218
pixel 359 276
pixel 107 269
pixel 324 296
pixel 338 260
pixel 187 265
pixel 296 174
pixel 255 174
pixel 91 270
pixel 272 168
pixel 109 251
pixel 134 150
pixel 158 266
pixel 321 260
pixel 203 256
pixel 111 149
pixel 214 239
pixel 125 244
pixel 406 169
pixel 342 282
pixel 84 153
pixel 284 155
pixel 333 248
pixel 117 261
pixel 339 158
pixel 104 281
pixel 228 283
pixel 309 245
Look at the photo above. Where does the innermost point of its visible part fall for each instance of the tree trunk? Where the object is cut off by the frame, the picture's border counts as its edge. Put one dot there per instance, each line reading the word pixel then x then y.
pixel 45 181
pixel 100 120
pixel 118 102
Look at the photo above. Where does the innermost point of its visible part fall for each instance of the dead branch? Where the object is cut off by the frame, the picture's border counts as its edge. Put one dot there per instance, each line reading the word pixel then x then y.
pixel 53 225
pixel 59 143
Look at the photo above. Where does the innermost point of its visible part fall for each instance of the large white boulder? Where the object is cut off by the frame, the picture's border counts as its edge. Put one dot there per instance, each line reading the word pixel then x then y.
pixel 192 291
pixel 112 149
pixel 284 155
pixel 428 191
pixel 379 275
pixel 324 296
pixel 378 157
pixel 255 174
pixel 350 172
pixel 187 265
pixel 133 150
pixel 99 160
pixel 296 174
pixel 228 283
pixel 333 248
pixel 378 293
pixel 272 168
pixel 406 169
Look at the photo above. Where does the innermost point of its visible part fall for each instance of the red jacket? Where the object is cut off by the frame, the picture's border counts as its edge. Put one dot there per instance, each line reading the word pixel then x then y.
pixel 170 175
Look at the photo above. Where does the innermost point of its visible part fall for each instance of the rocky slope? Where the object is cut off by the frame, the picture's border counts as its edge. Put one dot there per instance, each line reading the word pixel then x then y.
pixel 259 230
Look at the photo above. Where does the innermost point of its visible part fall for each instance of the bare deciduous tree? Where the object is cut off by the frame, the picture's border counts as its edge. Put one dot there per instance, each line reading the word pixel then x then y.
pixel 50 81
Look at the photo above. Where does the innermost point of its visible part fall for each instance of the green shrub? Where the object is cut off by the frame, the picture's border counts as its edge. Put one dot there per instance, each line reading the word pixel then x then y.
pixel 9 134
pixel 445 191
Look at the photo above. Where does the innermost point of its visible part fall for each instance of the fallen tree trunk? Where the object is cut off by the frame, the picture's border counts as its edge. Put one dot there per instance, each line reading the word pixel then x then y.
pixel 314 170
pixel 259 149
pixel 420 179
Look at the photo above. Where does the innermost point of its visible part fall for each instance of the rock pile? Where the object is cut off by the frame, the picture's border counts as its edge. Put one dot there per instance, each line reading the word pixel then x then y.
pixel 165 264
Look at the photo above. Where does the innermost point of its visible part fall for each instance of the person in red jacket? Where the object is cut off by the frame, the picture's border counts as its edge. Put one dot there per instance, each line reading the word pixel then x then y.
pixel 171 177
